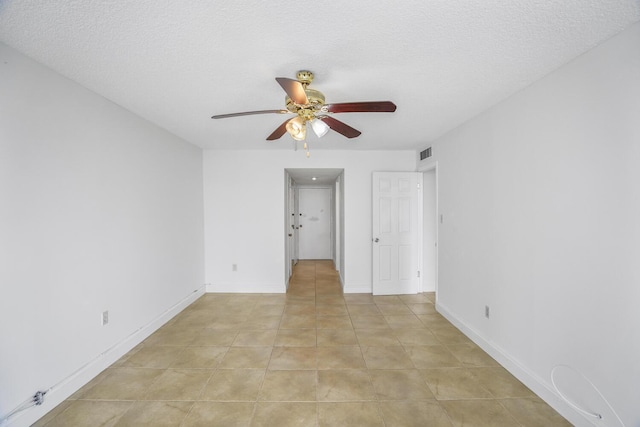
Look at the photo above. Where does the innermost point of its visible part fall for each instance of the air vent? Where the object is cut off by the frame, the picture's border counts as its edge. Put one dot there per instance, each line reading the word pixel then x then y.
pixel 425 154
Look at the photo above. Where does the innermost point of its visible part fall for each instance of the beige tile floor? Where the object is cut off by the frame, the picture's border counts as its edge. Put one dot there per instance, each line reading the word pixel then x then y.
pixel 312 357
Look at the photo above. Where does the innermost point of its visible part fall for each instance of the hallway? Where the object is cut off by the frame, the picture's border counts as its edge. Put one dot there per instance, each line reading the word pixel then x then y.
pixel 312 357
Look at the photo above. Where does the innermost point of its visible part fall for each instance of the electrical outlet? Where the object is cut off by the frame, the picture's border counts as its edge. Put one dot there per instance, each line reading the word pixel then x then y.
pixel 234 267
pixel 105 317
pixel 486 311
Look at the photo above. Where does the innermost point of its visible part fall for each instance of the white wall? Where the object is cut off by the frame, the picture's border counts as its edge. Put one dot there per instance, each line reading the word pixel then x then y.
pixel 541 204
pixel 244 208
pixel 99 210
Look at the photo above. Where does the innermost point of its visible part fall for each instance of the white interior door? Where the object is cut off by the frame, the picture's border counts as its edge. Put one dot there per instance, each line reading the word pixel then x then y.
pixel 314 233
pixel 395 232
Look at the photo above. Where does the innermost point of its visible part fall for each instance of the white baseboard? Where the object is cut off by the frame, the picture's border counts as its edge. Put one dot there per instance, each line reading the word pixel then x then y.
pixel 246 288
pixel 101 362
pixel 520 371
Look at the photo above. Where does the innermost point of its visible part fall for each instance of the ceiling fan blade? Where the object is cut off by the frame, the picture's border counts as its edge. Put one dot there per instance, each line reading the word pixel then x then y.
pixel 281 130
pixel 340 127
pixel 294 89
pixel 249 113
pixel 364 107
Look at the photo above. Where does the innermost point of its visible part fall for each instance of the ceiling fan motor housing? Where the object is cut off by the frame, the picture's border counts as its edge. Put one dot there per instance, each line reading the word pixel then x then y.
pixel 316 101
pixel 315 98
pixel 305 77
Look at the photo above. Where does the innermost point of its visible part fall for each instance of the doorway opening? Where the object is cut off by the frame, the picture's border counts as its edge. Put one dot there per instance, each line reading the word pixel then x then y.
pixel 314 217
pixel 429 258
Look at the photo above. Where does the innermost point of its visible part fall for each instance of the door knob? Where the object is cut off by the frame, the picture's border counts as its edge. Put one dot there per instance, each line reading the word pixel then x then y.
pixel 290 234
pixel 376 240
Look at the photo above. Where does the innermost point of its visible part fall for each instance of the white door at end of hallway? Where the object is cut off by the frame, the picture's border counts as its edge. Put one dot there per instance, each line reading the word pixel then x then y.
pixel 314 234
pixel 395 232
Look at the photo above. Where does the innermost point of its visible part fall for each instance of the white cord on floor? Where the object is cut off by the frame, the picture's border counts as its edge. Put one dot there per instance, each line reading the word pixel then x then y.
pixel 573 405
pixel 23 406
pixel 38 398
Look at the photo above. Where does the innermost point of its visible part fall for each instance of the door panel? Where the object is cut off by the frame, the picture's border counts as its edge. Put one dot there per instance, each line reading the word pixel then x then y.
pixel 395 232
pixel 405 262
pixel 384 265
pixel 314 233
pixel 385 215
pixel 405 216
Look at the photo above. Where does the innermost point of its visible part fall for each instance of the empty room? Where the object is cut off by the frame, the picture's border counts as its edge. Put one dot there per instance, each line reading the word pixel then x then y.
pixel 419 213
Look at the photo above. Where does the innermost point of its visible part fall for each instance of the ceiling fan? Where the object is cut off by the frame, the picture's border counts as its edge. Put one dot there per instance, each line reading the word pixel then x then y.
pixel 309 107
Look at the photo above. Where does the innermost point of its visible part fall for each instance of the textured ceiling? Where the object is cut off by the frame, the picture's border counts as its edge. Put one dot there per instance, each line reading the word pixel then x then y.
pixel 177 63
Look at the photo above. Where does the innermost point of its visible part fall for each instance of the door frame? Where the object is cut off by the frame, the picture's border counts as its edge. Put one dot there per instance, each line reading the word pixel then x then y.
pixel 290 224
pixel 339 224
pixel 338 216
pixel 423 168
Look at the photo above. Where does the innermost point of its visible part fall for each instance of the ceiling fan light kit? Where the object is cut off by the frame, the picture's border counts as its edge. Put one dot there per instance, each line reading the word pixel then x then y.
pixel 309 107
pixel 297 128
pixel 319 127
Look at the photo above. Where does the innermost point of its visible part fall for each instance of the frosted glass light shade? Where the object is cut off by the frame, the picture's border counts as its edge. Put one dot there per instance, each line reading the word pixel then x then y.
pixel 319 127
pixel 297 128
